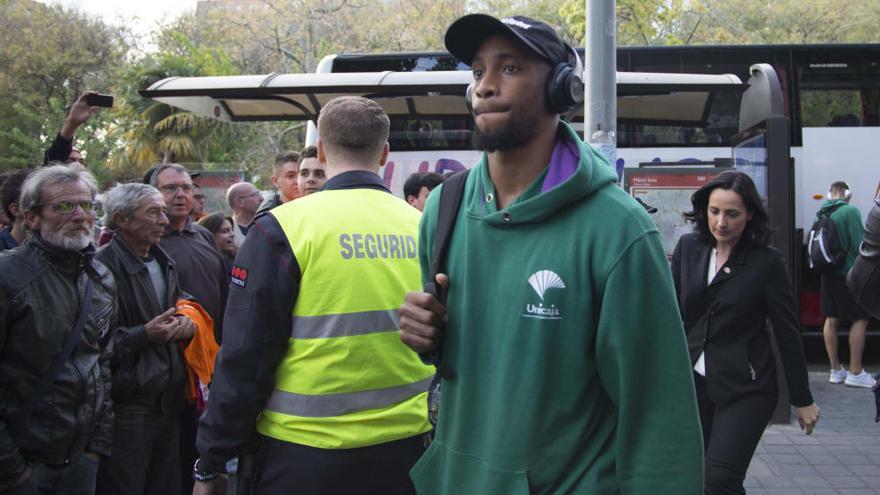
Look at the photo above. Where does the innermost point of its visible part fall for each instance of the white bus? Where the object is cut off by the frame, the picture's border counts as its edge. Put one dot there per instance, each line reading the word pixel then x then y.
pixel 831 95
pixel 676 105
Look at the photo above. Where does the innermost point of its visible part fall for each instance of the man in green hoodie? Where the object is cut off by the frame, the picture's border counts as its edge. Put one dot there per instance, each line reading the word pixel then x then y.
pixel 568 370
pixel 838 302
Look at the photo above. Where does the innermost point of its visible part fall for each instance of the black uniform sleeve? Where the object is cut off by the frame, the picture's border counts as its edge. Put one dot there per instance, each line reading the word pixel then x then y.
pixel 786 329
pixel 58 151
pixel 256 330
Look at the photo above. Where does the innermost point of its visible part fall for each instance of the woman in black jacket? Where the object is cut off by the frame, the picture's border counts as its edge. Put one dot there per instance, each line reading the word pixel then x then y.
pixel 729 282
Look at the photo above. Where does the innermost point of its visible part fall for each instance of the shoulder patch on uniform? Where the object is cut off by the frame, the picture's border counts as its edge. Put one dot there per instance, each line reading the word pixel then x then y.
pixel 239 276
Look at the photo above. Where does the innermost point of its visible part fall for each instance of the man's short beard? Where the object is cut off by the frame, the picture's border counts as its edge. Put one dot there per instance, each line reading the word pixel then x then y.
pixel 67 242
pixel 518 132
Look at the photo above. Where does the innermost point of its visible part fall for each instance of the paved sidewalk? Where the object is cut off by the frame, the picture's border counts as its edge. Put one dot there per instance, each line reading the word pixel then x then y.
pixel 841 457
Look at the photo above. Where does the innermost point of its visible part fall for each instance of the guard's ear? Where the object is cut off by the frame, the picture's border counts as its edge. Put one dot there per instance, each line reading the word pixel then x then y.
pixel 322 157
pixel 384 157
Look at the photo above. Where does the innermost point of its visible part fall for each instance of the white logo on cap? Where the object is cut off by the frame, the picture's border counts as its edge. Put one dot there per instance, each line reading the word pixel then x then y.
pixel 515 22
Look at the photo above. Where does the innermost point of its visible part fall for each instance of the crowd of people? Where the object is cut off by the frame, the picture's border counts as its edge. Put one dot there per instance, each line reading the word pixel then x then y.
pixel 291 343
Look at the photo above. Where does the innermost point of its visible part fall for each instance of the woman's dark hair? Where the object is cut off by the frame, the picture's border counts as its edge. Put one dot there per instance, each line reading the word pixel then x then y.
pixel 214 221
pixel 757 231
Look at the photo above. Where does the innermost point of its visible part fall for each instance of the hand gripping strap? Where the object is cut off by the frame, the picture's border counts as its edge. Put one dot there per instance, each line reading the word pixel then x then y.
pixel 450 202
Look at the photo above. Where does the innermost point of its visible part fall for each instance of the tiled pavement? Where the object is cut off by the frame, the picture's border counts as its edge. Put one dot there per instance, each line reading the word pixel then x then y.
pixel 841 457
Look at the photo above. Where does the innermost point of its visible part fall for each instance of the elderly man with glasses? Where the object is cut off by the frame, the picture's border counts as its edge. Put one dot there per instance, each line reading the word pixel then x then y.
pixel 149 372
pixel 201 273
pixel 57 305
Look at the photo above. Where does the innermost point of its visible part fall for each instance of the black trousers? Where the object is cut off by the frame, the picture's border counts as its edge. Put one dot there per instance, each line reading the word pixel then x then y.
pixel 730 435
pixel 145 456
pixel 76 478
pixel 383 469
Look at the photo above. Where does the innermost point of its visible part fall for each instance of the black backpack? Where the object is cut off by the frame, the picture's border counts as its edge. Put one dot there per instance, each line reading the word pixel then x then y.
pixel 823 245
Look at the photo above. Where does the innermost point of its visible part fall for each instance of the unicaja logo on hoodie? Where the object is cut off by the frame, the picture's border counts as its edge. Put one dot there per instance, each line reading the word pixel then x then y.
pixel 541 281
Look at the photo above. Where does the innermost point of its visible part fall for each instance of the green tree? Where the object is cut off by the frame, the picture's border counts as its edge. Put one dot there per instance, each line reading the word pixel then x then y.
pixel 49 55
pixel 149 132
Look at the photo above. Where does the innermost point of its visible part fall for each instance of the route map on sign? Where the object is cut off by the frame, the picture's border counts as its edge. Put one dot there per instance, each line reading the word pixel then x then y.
pixel 669 190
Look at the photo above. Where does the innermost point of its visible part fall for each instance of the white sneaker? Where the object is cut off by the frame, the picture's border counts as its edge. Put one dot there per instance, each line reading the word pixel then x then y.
pixel 838 376
pixel 863 380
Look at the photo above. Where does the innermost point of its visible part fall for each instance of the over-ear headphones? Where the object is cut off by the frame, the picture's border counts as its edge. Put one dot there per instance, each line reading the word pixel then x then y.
pixel 564 88
pixel 847 194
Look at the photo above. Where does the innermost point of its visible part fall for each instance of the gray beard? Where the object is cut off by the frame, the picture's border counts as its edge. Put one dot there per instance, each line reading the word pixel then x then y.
pixel 76 242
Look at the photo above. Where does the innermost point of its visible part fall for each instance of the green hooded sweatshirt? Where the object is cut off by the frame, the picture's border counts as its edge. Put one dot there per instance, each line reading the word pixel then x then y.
pixel 848 224
pixel 570 368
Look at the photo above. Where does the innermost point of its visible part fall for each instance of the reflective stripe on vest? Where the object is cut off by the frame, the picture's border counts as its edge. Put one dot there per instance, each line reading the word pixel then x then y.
pixel 344 325
pixel 324 406
pixel 347 380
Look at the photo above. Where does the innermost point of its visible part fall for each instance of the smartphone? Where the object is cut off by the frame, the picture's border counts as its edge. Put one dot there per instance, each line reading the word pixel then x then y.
pixel 99 100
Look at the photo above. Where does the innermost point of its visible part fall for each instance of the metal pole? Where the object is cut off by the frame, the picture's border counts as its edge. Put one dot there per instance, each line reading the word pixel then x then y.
pixel 600 104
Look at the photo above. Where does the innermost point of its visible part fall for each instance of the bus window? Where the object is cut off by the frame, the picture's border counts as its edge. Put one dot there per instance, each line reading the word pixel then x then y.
pixel 721 123
pixel 839 90
pixel 409 134
pixel 830 108
pixel 415 62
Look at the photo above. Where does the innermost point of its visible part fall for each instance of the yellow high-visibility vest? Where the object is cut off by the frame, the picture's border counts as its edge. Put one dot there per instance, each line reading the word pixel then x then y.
pixel 347 380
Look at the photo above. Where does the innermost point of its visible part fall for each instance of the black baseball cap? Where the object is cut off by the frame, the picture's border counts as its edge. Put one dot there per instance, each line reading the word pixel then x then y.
pixel 466 34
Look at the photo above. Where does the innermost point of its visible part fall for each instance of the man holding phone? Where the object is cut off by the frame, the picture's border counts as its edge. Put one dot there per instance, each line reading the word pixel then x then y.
pixel 62 149
pixel 147 364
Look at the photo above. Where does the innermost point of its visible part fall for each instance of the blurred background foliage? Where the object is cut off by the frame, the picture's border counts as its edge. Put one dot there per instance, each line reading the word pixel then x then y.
pixel 50 54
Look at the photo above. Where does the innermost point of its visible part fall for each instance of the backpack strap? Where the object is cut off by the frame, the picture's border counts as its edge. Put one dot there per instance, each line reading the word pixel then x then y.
pixel 60 360
pixel 451 195
pixel 831 210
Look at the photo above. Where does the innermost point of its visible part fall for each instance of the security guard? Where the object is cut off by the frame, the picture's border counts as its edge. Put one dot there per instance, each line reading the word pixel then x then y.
pixel 311 356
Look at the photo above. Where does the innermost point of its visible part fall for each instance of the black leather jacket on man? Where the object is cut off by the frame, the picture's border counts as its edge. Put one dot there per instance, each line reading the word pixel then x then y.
pixel 864 277
pixel 147 377
pixel 40 298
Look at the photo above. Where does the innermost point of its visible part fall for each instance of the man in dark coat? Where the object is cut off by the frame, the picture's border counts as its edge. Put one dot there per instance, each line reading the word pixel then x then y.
pixel 52 435
pixel 148 367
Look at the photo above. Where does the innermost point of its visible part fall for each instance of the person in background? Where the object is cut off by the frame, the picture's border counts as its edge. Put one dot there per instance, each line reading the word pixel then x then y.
pixel 285 173
pixel 298 302
pixel 13 235
pixel 5 219
pixel 201 272
pixel 417 187
pixel 729 281
pixel 864 277
pixel 838 302
pixel 243 199
pixel 56 421
pixel 148 367
pixel 199 202
pixel 221 227
pixel 62 149
pixel 311 172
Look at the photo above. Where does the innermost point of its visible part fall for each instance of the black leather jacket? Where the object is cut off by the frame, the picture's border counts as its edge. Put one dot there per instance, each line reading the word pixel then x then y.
pixel 147 377
pixel 864 277
pixel 40 296
pixel 272 201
